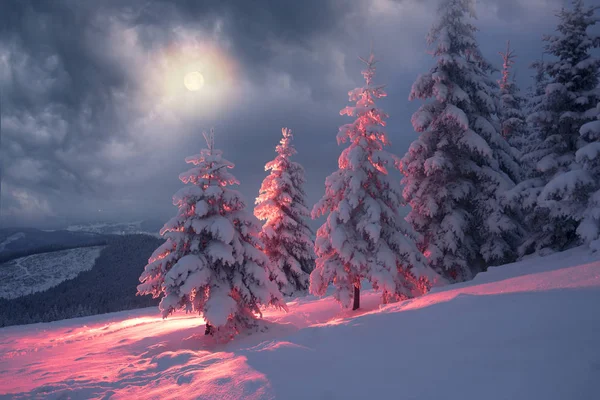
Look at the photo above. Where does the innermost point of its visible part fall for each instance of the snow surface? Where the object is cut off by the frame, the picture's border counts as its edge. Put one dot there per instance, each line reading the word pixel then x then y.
pixel 42 271
pixel 528 330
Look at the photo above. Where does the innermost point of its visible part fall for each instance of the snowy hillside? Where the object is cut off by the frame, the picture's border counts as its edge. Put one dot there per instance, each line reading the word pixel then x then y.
pixel 119 228
pixel 108 286
pixel 522 331
pixel 20 242
pixel 10 239
pixel 39 272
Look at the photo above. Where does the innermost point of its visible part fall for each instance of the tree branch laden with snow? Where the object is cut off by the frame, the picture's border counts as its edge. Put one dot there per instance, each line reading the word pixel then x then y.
pixel 458 169
pixel 364 236
pixel 512 118
pixel 286 236
pixel 560 184
pixel 589 157
pixel 211 262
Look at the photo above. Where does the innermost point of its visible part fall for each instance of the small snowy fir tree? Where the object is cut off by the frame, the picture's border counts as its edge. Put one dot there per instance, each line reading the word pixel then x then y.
pixel 510 112
pixel 364 236
pixel 285 234
pixel 211 262
pixel 554 199
pixel 589 156
pixel 459 167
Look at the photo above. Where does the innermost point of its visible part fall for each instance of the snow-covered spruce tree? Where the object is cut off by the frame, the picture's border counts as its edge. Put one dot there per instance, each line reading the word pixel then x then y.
pixel 537 90
pixel 285 234
pixel 364 236
pixel 589 156
pixel 512 118
pixel 554 199
pixel 460 166
pixel 535 96
pixel 211 262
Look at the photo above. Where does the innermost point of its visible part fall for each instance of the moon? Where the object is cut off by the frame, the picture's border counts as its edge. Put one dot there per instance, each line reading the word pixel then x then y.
pixel 193 81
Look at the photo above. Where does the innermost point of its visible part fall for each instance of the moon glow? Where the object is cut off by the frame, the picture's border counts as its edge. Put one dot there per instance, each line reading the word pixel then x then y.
pixel 193 81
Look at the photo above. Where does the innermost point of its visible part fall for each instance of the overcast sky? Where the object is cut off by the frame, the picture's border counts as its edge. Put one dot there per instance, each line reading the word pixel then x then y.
pixel 96 120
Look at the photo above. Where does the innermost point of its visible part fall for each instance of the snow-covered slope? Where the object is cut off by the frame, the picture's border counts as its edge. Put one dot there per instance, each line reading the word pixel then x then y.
pixel 10 239
pixel 522 331
pixel 20 242
pixel 39 272
pixel 147 227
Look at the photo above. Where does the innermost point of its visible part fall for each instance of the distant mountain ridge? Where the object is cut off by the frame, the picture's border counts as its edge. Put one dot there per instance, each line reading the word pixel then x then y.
pixel 21 242
pixel 150 227
pixel 42 271
pixel 110 285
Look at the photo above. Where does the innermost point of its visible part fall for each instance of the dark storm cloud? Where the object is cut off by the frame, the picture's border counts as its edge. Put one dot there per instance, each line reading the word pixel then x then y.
pixel 259 30
pixel 60 82
pixel 516 10
pixel 57 92
pixel 253 22
pixel 72 139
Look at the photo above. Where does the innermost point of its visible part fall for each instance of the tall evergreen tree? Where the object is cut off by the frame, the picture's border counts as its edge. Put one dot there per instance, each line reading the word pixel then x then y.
pixel 510 112
pixel 211 262
pixel 285 234
pixel 537 90
pixel 364 236
pixel 536 94
pixel 554 199
pixel 589 157
pixel 457 169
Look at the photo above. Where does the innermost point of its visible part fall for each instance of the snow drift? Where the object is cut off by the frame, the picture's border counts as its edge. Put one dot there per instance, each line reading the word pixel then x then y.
pixel 520 331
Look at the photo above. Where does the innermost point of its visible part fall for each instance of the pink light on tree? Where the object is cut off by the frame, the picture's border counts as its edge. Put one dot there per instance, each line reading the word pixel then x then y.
pixel 508 59
pixel 285 234
pixel 364 236
pixel 211 262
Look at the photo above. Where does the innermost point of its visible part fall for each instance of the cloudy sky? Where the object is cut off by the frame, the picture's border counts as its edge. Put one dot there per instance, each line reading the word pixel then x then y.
pixel 96 120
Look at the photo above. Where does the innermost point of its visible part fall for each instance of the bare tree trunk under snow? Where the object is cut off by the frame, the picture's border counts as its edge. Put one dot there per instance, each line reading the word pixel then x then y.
pixel 356 298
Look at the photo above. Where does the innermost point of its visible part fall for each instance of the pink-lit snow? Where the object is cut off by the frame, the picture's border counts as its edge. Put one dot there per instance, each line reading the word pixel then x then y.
pixel 528 330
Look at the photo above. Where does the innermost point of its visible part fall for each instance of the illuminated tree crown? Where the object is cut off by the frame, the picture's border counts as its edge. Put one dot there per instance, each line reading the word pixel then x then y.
pixel 285 234
pixel 364 236
pixel 211 262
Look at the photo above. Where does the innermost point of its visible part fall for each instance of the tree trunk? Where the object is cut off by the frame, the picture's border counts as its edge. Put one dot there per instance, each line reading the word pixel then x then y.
pixel 356 298
pixel 209 329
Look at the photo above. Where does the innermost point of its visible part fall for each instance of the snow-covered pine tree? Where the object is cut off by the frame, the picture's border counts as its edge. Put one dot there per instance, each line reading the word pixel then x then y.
pixel 589 156
pixel 364 236
pixel 537 90
pixel 286 237
pixel 510 112
pixel 536 94
pixel 211 262
pixel 554 199
pixel 458 168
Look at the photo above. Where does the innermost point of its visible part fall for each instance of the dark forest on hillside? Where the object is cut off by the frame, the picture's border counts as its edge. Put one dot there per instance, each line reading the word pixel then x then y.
pixel 108 287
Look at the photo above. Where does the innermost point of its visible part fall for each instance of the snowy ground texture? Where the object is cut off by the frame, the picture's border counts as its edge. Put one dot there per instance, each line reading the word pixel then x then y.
pixel 40 272
pixel 523 331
